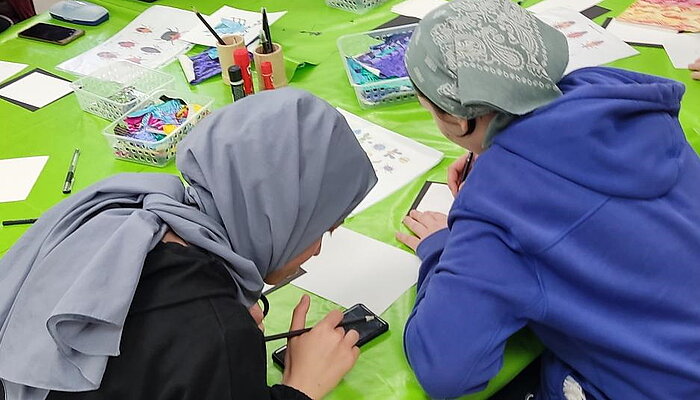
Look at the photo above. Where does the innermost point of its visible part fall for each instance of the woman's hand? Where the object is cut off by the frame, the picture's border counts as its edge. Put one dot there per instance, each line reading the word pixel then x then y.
pixel 695 68
pixel 257 314
pixel 454 173
pixel 316 361
pixel 422 224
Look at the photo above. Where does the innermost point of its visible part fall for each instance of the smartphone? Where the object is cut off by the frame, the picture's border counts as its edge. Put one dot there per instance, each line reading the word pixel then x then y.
pixel 51 33
pixel 367 330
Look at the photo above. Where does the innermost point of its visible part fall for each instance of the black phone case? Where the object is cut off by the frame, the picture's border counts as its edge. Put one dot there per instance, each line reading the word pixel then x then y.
pixel 278 355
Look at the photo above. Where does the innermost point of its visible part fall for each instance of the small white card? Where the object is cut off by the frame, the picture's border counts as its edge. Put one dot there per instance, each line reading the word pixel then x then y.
pixel 576 5
pixel 434 196
pixel 637 33
pixel 35 90
pixel 416 8
pixel 683 49
pixel 18 176
pixel 353 268
pixel 8 69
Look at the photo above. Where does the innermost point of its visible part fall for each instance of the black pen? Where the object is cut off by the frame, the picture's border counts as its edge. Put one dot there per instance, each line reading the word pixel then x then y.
pixel 467 166
pixel 70 176
pixel 267 46
pixel 298 332
pixel 10 222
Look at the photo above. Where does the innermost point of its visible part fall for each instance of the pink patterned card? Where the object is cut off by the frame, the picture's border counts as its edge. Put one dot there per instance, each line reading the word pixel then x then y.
pixel 682 15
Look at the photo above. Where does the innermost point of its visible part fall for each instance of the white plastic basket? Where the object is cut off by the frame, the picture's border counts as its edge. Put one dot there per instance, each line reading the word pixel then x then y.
pixel 356 6
pixel 161 152
pixel 386 91
pixel 114 89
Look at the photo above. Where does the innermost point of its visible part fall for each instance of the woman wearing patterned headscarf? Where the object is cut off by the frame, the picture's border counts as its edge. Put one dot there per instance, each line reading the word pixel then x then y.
pixel 579 220
pixel 159 277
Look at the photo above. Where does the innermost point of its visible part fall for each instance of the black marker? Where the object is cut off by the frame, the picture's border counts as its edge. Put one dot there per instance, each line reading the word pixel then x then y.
pixel 70 176
pixel 267 46
pixel 298 332
pixel 236 77
pixel 27 221
pixel 467 167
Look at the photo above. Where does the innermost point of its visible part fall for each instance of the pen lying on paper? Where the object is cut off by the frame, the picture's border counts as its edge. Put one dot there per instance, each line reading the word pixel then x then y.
pixel 18 221
pixel 298 332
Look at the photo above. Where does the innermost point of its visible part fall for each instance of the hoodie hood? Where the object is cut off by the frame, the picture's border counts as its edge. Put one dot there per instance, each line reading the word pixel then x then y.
pixel 613 131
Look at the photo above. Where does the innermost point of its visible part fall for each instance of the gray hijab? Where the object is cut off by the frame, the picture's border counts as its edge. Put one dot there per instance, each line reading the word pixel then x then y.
pixel 267 177
pixel 473 57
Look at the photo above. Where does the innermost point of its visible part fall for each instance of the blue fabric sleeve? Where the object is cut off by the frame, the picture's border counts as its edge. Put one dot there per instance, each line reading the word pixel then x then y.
pixel 472 296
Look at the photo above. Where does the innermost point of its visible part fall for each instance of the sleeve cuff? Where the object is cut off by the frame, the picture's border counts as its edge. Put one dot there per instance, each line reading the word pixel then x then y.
pixel 433 243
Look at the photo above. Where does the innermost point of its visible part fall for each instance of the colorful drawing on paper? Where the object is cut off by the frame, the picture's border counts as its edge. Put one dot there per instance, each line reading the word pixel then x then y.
pixel 230 21
pixel 682 15
pixel 385 158
pixel 152 40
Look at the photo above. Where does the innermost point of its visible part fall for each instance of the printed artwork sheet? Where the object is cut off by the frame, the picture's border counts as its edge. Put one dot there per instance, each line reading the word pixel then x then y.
pixel 682 15
pixel 353 268
pixel 576 5
pixel 228 21
pixel 396 159
pixel 152 39
pixel 589 44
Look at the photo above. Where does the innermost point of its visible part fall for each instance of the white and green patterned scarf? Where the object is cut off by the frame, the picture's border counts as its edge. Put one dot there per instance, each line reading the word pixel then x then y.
pixel 473 57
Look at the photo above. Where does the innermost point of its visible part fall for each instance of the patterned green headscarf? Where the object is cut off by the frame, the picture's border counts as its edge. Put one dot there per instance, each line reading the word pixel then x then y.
pixel 473 57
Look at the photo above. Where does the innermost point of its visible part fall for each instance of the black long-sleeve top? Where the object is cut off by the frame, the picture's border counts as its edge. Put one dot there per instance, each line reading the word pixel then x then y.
pixel 186 337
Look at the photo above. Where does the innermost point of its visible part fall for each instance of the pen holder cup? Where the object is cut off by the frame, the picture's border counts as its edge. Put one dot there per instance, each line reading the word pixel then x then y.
pixel 279 76
pixel 233 42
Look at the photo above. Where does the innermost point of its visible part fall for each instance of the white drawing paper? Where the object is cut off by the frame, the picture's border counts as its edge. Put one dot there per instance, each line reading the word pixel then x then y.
pixel 576 5
pixel 396 159
pixel 416 8
pixel 228 20
pixel 437 198
pixel 36 89
pixel 353 268
pixel 152 39
pixel 18 176
pixel 589 44
pixel 683 49
pixel 8 69
pixel 638 33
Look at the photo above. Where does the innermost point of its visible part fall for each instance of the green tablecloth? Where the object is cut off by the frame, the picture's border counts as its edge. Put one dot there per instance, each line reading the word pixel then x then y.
pixel 381 372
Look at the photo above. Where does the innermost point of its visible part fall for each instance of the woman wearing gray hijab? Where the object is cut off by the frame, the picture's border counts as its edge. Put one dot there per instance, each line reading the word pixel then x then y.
pixel 578 220
pixel 141 287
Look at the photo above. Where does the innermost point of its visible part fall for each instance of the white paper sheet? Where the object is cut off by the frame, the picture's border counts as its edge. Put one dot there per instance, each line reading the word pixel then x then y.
pixel 683 49
pixel 36 89
pixel 416 8
pixel 637 33
pixel 576 5
pixel 152 39
pixel 589 44
pixel 396 159
pixel 8 69
pixel 240 22
pixel 18 176
pixel 437 198
pixel 353 268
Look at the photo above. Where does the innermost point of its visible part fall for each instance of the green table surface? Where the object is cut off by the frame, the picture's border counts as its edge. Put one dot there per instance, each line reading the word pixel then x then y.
pixel 55 130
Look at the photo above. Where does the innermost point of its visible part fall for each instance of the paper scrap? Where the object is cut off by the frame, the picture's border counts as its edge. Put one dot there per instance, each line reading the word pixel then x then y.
pixel 8 69
pixel 228 20
pixel 35 89
pixel 416 8
pixel 396 159
pixel 18 176
pixel 434 196
pixel 589 44
pixel 636 33
pixel 683 49
pixel 353 268
pixel 576 5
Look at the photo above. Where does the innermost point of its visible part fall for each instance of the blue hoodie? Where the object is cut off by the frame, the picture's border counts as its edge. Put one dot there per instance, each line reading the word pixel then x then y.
pixel 581 222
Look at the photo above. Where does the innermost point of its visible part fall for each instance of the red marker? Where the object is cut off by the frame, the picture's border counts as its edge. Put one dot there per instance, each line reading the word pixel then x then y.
pixel 240 58
pixel 266 72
